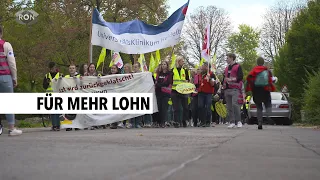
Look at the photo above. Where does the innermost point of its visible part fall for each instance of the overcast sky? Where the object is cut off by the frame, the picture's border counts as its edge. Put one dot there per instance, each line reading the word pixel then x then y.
pixel 240 11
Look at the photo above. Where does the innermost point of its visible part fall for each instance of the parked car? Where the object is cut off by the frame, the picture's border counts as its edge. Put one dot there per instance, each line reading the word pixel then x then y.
pixel 281 110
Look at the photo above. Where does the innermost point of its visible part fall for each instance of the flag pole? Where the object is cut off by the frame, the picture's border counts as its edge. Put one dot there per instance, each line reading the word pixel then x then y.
pixel 102 66
pixel 171 55
pixel 90 38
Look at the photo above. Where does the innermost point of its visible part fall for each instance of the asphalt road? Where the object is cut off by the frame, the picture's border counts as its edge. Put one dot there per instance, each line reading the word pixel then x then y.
pixel 277 152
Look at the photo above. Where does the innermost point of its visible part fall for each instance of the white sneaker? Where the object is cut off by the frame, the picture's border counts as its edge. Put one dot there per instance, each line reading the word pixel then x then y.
pixel 231 125
pixel 239 124
pixel 0 129
pixel 120 125
pixel 129 125
pixel 15 132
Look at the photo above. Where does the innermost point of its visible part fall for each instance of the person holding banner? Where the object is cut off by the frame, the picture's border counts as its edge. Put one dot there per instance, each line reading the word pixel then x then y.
pixel 8 78
pixel 83 69
pixel 180 75
pixel 137 121
pixel 163 90
pixel 91 70
pixel 72 73
pixel 115 70
pixel 206 90
pixel 128 70
pixel 232 85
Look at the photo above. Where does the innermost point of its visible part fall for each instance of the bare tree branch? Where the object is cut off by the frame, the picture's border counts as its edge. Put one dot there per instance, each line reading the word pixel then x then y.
pixel 193 32
pixel 278 20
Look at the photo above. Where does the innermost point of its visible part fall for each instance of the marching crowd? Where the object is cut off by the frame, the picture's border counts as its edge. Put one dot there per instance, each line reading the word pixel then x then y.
pixel 174 109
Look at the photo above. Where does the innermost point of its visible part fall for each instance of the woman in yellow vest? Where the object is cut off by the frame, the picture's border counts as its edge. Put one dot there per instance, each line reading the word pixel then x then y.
pixel 180 75
pixel 47 85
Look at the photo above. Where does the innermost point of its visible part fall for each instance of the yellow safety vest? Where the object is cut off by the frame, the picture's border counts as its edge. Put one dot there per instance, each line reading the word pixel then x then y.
pixel 178 78
pixel 247 100
pixel 67 76
pixel 155 75
pixel 49 89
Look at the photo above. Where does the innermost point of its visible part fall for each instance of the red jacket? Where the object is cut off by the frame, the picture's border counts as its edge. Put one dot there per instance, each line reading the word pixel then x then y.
pixel 205 85
pixel 252 77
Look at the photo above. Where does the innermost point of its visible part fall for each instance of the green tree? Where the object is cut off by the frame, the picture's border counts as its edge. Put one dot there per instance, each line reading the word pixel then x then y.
pixel 245 43
pixel 62 32
pixel 312 98
pixel 300 54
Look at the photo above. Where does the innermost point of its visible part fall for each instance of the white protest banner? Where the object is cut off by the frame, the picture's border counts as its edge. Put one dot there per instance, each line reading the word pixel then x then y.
pixel 77 103
pixel 136 36
pixel 118 83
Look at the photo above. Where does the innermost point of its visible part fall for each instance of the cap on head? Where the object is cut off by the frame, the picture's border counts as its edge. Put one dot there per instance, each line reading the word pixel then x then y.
pixel 260 61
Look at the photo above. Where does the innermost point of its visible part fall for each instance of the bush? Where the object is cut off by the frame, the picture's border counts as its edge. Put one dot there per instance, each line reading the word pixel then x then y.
pixel 312 99
pixel 24 124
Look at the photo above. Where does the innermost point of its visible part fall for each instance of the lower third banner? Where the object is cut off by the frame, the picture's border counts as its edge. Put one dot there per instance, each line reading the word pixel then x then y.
pixel 118 83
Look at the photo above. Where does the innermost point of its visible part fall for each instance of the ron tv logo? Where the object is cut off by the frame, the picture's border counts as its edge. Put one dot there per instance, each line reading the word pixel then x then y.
pixel 27 17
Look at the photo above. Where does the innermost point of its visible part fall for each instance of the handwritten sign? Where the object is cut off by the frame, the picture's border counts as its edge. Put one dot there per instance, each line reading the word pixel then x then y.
pixel 186 88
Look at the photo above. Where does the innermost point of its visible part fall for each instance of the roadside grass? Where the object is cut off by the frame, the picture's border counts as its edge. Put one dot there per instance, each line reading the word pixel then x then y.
pixel 307 125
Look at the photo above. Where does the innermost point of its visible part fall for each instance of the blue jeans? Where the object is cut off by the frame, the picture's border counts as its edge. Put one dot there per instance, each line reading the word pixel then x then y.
pixel 204 104
pixel 147 119
pixel 136 121
pixel 6 86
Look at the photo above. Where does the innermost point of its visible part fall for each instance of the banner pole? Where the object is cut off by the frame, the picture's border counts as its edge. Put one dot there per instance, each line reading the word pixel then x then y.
pixel 102 66
pixel 90 38
pixel 171 55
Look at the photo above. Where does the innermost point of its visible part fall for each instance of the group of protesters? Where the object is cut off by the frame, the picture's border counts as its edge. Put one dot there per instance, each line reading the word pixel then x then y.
pixel 174 109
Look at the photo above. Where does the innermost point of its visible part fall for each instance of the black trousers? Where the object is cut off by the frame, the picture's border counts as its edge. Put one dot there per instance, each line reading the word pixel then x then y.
pixel 179 100
pixel 163 105
pixel 195 110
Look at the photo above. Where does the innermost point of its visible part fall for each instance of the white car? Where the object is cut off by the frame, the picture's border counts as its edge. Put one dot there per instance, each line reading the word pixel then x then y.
pixel 281 110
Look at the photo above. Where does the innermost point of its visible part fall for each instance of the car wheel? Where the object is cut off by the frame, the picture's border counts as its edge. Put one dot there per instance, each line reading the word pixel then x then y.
pixel 251 121
pixel 278 121
pixel 287 121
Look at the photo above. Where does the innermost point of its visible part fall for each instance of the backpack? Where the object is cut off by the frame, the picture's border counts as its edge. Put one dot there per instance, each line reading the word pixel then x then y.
pixel 262 79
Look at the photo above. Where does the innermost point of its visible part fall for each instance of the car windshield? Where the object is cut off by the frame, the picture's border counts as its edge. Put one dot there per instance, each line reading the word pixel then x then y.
pixel 277 96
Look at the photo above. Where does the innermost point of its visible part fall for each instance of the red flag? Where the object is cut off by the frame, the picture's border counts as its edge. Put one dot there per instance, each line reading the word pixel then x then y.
pixel 206 44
